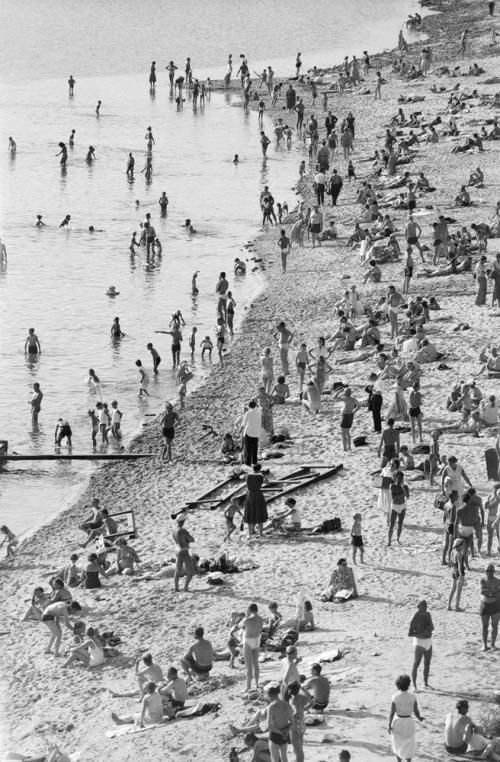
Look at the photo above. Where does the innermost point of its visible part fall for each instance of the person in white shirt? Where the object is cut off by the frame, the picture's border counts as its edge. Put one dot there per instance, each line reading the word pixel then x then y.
pixel 251 427
pixel 320 184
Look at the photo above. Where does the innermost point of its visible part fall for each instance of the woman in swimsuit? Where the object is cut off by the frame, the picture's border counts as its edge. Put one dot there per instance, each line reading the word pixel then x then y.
pixel 416 412
pixel 301 362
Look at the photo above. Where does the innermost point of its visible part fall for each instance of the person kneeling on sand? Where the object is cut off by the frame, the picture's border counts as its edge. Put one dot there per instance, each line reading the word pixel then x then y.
pixel 198 660
pixel 151 711
pixel 460 735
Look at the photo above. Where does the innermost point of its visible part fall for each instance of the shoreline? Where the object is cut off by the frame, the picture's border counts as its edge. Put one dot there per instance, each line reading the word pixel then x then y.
pixel 157 491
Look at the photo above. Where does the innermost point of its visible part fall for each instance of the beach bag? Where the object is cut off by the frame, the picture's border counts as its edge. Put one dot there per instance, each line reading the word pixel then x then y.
pixel 360 441
pixel 289 639
pixel 421 449
pixel 329 525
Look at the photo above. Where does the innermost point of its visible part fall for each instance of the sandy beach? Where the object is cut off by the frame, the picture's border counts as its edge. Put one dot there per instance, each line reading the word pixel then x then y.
pixel 73 705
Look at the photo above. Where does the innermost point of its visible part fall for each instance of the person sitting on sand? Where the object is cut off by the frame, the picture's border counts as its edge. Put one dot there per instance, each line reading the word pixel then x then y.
pixel 198 659
pixel 39 601
pixel 60 592
pixel 108 530
pixel 11 540
pixel 461 735
pixel 229 449
pixel 148 672
pixel 311 397
pixel 95 520
pixel 166 571
pixel 281 391
pixel 374 273
pixel 176 689
pixel 317 689
pixel 463 198
pixel 126 557
pixel 91 572
pixel 259 748
pixel 90 651
pixel 477 178
pixel 342 586
pixel 151 710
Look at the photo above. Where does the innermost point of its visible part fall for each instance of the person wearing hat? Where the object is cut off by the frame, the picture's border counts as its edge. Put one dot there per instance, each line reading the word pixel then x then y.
pixel 182 540
pixel 457 565
pixel 490 606
pixel 421 629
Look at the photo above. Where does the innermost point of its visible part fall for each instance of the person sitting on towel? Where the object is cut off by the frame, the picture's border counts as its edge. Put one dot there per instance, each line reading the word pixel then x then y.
pixel 317 688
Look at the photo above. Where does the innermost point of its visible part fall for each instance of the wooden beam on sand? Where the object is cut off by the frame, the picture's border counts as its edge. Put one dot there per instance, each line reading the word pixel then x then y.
pixel 89 456
pixel 313 479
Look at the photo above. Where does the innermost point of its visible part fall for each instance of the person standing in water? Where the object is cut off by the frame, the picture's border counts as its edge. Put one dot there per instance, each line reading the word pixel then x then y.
pixel 36 403
pixel 116 331
pixel 3 252
pixel 12 146
pixel 32 344
pixel 156 358
pixel 63 153
pixel 152 77
pixel 171 73
pixel 163 202
pixel 71 139
pixel 98 108
pixel 71 84
pixel 130 166
pixel 194 286
pixel 143 380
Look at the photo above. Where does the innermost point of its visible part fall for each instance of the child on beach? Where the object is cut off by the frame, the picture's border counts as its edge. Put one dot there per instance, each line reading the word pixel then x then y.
pixel 357 538
pixel 221 338
pixel 94 427
pixel 228 448
pixel 143 380
pixel 192 340
pixel 234 639
pixel 182 394
pixel 351 172
pixel 11 540
pixel 206 346
pixel 274 620
pixel 233 508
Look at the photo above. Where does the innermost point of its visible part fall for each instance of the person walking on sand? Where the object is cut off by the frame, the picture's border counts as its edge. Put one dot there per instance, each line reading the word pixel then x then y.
pixel 183 560
pixel 285 338
pixel 413 231
pixel 378 86
pixel 284 245
pixel 267 370
pixel 457 566
pixel 421 629
pixel 389 439
pixel 168 421
pixel 464 42
pixel 36 403
pixel 252 627
pixel 408 270
pixel 401 726
pixel 316 226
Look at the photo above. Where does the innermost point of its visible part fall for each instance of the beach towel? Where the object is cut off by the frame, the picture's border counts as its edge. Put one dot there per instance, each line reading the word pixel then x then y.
pixel 198 710
pixel 126 730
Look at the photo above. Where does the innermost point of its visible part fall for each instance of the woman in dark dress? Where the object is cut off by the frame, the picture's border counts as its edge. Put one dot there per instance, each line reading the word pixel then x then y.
pixel 255 502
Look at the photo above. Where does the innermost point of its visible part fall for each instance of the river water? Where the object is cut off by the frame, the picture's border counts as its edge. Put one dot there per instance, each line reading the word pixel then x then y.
pixel 55 279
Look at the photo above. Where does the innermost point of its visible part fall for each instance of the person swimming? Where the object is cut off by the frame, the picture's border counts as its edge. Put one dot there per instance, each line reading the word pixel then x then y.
pixel 189 227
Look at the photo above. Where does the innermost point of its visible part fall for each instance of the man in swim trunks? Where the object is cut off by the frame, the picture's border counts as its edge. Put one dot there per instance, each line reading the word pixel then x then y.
pixel 182 540
pixel 198 660
pixel 36 403
pixel 252 627
pixel 390 441
pixel 393 302
pixel 279 715
pixel 168 421
pixel 96 520
pixel 351 405
pixel 317 688
pixel 284 337
pixel 413 231
pixel 32 345
pixel 460 734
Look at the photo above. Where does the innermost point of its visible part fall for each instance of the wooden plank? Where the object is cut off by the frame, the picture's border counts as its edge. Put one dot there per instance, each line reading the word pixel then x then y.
pixel 93 456
pixel 311 480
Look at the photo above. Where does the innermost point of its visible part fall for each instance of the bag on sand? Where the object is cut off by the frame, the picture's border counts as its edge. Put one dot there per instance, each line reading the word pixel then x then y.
pixel 329 525
pixel 440 501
